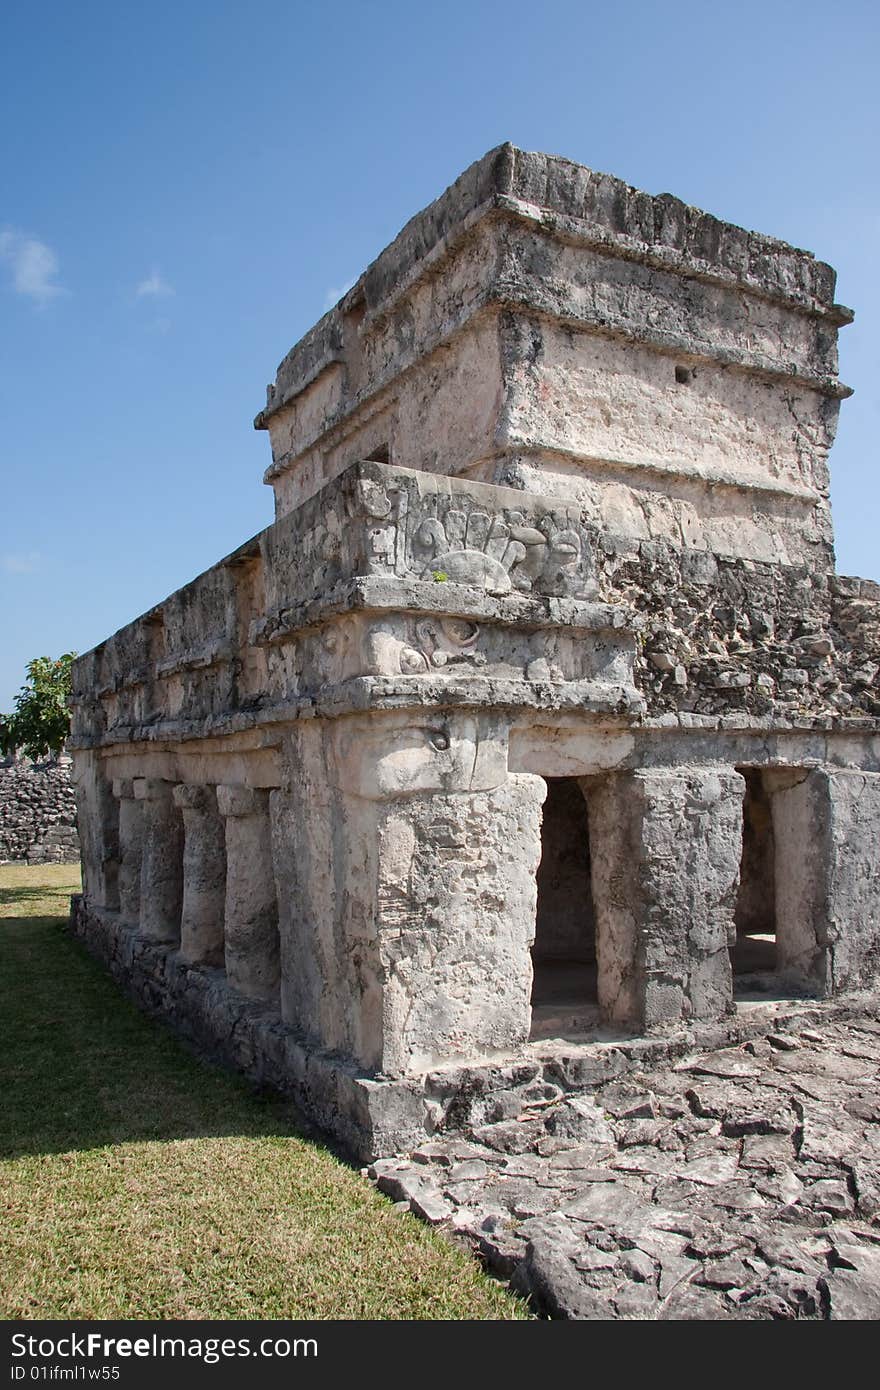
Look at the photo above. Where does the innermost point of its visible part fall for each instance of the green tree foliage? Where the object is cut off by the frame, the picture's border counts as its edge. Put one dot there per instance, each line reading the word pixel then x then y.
pixel 41 721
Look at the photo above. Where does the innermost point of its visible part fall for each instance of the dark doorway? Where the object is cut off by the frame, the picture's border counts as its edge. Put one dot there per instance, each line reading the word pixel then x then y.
pixel 754 956
pixel 564 995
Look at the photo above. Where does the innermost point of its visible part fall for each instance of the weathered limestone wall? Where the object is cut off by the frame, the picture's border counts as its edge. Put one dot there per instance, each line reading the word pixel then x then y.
pixel 709 636
pixel 429 651
pixel 592 543
pixel 38 813
pixel 552 328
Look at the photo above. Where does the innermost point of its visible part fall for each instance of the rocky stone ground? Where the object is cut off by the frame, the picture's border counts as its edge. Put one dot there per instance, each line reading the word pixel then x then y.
pixel 739 1183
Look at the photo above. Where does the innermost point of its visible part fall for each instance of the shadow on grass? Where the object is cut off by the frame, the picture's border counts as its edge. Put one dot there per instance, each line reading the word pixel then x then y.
pixel 23 895
pixel 81 1067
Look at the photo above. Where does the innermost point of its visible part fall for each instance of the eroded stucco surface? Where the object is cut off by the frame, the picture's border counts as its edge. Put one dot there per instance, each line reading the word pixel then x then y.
pixel 551 496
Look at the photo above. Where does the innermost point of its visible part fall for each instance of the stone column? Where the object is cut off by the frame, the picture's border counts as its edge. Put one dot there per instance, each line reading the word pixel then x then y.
pixel 97 822
pixel 204 874
pixel 665 853
pixel 405 857
pixel 131 835
pixel 457 896
pixel 827 833
pixel 161 860
pixel 251 917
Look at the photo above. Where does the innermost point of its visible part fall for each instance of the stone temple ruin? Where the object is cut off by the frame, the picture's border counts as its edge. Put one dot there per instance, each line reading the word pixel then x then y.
pixel 539 717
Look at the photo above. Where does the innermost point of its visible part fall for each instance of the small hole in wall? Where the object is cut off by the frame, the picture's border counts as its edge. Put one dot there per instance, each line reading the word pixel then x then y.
pixel 381 454
pixel 684 376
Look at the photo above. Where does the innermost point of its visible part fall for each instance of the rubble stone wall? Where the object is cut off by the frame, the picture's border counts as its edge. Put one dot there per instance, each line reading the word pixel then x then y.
pixel 38 813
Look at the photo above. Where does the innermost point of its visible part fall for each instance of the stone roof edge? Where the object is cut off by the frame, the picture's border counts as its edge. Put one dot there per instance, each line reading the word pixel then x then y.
pixel 577 204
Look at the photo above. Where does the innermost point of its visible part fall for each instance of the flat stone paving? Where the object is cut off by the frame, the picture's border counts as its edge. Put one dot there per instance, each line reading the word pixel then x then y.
pixel 740 1183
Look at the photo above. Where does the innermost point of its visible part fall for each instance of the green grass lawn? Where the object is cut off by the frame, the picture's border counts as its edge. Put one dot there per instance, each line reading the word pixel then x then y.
pixel 138 1182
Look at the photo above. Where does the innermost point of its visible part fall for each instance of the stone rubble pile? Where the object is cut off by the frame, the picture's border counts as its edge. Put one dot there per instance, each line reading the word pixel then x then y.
pixel 741 1183
pixel 38 813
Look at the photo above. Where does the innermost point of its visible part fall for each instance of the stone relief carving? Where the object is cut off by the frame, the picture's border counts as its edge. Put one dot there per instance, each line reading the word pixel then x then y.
pixel 508 551
pixel 440 642
pixel 373 499
pixel 403 754
pixel 389 644
pixel 377 505
pixel 499 553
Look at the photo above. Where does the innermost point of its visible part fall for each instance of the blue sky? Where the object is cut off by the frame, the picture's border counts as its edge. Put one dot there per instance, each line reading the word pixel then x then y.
pixel 184 188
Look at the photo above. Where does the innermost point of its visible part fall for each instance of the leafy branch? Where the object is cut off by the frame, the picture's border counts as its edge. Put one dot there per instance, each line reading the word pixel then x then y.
pixel 40 723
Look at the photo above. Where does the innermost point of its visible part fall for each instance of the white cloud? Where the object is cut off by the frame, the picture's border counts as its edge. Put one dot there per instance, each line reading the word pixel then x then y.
pixel 33 265
pixel 21 563
pixel 154 286
pixel 335 293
